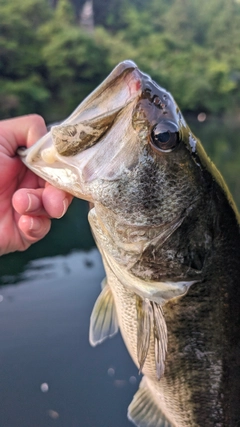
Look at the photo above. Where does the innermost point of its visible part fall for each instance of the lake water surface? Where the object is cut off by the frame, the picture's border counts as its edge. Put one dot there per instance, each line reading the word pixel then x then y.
pixel 49 374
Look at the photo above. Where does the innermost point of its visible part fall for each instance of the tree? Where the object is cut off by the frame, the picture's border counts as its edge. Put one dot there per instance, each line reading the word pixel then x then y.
pixel 75 61
pixel 21 84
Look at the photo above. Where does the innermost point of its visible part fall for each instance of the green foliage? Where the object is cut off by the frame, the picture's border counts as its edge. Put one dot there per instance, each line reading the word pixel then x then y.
pixel 22 89
pixel 64 13
pixel 48 63
pixel 75 64
pixel 74 60
pixel 110 13
pixel 18 46
pixel 22 96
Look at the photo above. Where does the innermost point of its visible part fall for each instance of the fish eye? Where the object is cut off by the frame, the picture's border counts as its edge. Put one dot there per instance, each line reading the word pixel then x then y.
pixel 165 137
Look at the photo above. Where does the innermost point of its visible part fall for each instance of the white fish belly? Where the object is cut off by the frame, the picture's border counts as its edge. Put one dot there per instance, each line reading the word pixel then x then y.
pixel 166 399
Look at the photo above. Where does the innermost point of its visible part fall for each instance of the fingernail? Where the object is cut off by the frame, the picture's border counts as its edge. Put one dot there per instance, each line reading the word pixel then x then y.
pixel 35 225
pixel 65 206
pixel 33 203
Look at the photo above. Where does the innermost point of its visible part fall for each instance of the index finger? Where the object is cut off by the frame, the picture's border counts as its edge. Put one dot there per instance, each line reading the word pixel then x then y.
pixel 21 131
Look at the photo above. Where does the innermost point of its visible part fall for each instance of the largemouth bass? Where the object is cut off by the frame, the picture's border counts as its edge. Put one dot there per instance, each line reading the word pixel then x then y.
pixel 168 232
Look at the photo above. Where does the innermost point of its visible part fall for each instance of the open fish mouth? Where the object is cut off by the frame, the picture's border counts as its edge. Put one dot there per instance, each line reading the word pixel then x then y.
pixel 57 156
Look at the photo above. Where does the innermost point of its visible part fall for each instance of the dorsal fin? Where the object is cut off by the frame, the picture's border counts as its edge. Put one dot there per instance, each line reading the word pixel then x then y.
pixel 103 320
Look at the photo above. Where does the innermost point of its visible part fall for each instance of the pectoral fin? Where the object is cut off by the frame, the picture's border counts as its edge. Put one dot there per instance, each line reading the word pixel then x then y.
pixel 144 322
pixel 103 320
pixel 144 410
pixel 150 318
pixel 160 339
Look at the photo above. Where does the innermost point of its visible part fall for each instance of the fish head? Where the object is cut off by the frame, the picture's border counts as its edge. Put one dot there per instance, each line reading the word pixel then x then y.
pixel 126 146
pixel 84 147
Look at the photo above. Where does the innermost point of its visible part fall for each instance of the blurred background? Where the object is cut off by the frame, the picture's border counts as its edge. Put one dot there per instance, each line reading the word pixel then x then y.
pixel 52 54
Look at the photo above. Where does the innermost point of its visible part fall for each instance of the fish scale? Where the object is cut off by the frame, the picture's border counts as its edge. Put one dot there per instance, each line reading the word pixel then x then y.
pixel 168 232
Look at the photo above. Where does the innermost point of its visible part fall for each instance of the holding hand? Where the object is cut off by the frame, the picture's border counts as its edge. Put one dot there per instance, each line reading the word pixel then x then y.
pixel 27 202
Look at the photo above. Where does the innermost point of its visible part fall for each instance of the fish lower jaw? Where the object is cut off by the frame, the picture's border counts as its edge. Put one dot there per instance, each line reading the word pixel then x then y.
pixel 64 178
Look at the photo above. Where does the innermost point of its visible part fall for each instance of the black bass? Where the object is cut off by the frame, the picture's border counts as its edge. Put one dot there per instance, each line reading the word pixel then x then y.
pixel 168 232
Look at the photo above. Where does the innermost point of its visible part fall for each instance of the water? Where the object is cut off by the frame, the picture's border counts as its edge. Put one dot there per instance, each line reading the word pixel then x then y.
pixel 49 374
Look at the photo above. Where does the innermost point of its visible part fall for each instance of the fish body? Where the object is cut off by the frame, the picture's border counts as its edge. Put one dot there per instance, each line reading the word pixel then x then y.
pixel 168 232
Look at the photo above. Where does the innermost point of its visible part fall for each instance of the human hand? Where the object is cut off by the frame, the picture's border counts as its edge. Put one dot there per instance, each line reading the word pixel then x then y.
pixel 27 202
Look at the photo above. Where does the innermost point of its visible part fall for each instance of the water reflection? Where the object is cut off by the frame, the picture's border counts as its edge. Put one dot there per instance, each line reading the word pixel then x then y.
pixel 49 373
pixel 53 414
pixel 44 387
pixel 221 141
pixel 71 232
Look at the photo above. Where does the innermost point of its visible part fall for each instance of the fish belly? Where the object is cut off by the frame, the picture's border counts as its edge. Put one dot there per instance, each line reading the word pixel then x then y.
pixel 162 394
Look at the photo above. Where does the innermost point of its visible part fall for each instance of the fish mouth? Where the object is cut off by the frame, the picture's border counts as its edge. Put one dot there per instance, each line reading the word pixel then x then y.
pixel 58 156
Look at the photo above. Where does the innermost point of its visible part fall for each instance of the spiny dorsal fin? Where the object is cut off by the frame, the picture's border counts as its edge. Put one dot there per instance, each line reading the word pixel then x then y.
pixel 150 318
pixel 103 320
pixel 144 410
